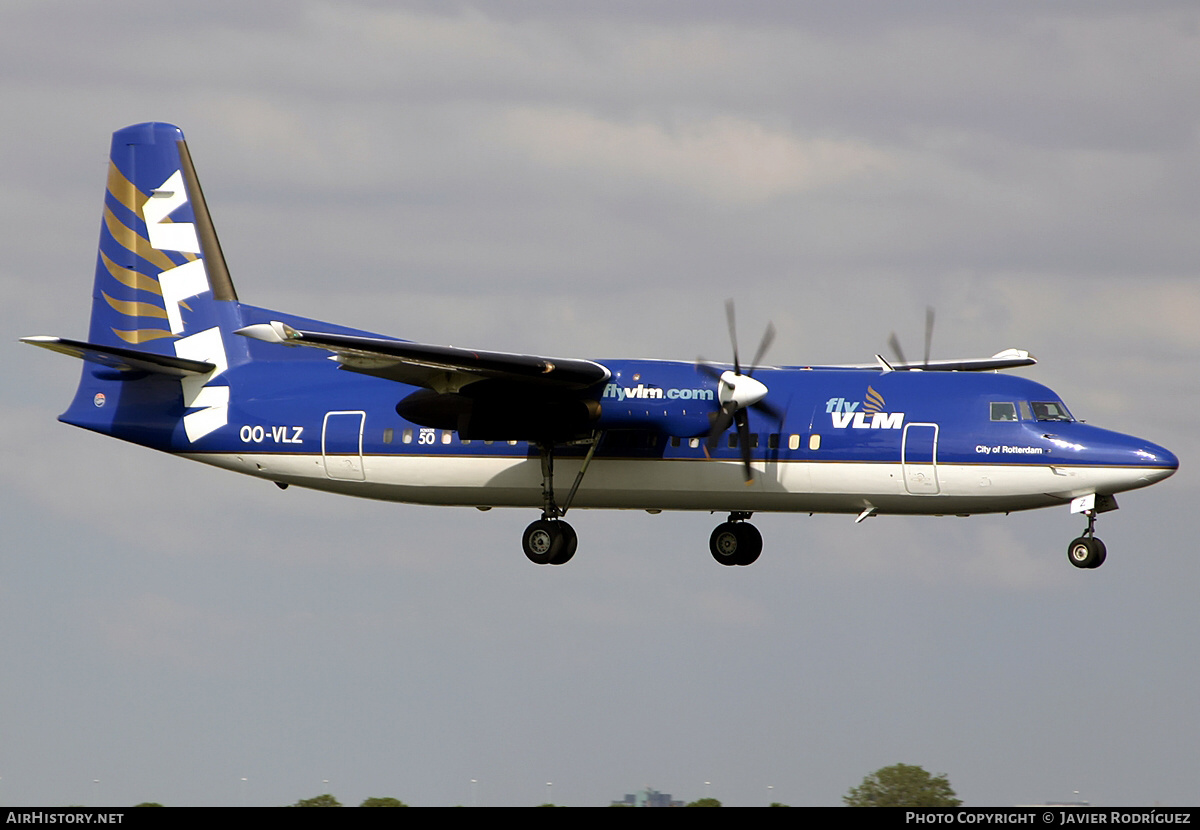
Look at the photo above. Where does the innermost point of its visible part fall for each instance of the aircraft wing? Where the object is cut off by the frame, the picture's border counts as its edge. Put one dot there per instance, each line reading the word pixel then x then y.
pixel 1007 359
pixel 440 368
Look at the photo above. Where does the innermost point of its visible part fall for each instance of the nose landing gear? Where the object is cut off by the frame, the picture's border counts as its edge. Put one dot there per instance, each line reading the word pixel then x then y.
pixel 1087 551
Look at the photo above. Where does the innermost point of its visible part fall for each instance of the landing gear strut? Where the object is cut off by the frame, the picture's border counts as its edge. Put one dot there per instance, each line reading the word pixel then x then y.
pixel 550 540
pixel 1087 551
pixel 736 542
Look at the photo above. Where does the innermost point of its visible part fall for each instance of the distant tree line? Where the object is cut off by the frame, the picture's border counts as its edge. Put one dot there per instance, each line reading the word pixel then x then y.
pixel 328 800
pixel 900 785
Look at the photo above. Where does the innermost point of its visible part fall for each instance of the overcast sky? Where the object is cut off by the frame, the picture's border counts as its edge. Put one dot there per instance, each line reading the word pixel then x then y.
pixel 594 180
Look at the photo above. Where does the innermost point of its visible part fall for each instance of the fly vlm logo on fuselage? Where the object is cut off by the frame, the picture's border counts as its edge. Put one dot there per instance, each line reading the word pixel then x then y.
pixel 643 392
pixel 860 415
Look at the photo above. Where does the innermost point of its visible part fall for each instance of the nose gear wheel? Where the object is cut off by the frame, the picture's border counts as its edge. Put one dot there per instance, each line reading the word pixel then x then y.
pixel 1087 551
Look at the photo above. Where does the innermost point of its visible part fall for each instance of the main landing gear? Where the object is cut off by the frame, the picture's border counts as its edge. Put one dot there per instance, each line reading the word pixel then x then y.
pixel 1087 551
pixel 736 542
pixel 550 540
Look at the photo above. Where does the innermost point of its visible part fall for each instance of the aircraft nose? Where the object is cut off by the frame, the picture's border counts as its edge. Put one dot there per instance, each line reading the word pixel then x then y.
pixel 1162 462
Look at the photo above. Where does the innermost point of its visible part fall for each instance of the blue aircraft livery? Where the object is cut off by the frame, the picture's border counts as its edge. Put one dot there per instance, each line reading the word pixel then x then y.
pixel 173 360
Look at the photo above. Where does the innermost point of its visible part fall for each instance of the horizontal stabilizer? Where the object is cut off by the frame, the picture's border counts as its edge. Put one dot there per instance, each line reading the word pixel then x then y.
pixel 441 368
pixel 125 360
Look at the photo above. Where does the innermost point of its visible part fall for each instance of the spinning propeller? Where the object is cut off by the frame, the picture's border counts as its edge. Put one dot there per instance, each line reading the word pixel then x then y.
pixel 894 342
pixel 737 392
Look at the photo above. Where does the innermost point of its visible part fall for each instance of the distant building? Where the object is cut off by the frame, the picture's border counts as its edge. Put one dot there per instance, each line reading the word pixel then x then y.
pixel 647 798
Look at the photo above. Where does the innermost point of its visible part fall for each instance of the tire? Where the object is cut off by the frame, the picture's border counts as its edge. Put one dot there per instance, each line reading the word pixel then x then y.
pixel 751 543
pixel 725 543
pixel 543 542
pixel 570 541
pixel 1086 552
pixel 735 543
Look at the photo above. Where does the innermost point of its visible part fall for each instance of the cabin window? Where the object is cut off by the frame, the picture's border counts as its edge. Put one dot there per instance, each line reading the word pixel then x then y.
pixel 733 440
pixel 773 441
pixel 407 436
pixel 674 440
pixel 388 435
pixel 694 443
pixel 1004 411
pixel 793 441
pixel 447 436
pixel 1051 411
pixel 814 442
pixel 754 440
pixel 512 443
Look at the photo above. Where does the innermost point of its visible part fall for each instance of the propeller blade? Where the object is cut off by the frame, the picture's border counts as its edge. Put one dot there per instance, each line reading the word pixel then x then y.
pixel 894 344
pixel 721 422
pixel 730 315
pixel 704 368
pixel 928 331
pixel 767 339
pixel 743 431
pixel 769 410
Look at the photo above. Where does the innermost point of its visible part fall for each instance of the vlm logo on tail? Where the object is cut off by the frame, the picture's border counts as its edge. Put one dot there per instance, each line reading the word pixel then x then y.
pixel 848 414
pixel 209 404
pixel 153 270
pixel 179 284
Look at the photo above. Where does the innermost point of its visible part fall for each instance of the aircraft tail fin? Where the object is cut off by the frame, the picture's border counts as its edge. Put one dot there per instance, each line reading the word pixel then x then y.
pixel 160 273
pixel 164 308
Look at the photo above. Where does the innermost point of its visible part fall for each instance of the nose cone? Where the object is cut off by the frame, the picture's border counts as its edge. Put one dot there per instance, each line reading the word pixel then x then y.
pixel 1160 462
pixel 1114 462
pixel 1143 463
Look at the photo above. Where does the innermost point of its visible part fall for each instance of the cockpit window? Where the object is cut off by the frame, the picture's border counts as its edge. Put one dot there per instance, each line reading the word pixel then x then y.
pixel 1051 411
pixel 1004 411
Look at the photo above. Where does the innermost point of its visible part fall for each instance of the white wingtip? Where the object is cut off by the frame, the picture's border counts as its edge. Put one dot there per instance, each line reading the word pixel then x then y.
pixel 1014 354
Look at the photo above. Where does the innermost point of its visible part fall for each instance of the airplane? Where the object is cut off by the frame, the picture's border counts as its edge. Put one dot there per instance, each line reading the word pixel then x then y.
pixel 176 362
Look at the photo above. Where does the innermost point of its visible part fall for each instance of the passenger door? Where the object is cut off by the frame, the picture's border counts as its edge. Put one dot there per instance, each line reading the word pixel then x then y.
pixel 918 459
pixel 341 445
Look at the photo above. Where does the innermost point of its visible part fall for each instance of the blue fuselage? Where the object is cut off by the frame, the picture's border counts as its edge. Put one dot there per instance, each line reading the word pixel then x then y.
pixel 846 439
